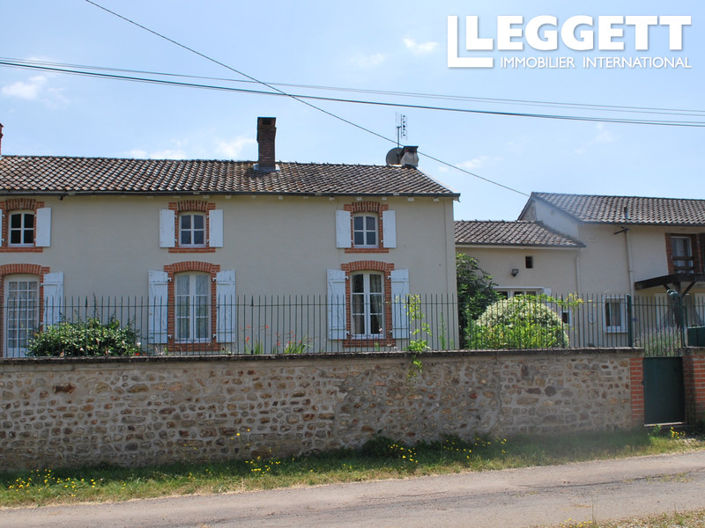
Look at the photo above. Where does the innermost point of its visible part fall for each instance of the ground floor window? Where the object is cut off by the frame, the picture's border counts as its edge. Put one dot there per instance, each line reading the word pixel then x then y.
pixel 193 293
pixel 507 293
pixel 367 304
pixel 614 316
pixel 21 313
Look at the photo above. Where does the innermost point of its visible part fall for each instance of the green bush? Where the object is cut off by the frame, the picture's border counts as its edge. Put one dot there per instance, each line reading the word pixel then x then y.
pixel 524 321
pixel 475 291
pixel 84 338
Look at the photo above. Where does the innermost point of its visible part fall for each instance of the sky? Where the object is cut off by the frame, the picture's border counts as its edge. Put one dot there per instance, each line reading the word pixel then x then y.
pixel 368 45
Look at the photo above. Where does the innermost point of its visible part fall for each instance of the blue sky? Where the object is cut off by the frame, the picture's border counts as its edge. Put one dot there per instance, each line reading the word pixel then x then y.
pixel 398 46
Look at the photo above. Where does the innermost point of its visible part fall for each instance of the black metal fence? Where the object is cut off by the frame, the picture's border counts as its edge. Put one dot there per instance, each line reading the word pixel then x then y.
pixel 294 324
pixel 278 324
pixel 661 324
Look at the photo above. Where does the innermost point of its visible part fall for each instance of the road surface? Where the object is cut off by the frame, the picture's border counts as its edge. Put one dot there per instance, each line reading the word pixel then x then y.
pixel 515 497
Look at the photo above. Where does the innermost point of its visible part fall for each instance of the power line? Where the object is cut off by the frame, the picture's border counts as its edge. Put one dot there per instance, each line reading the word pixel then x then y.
pixel 302 97
pixel 396 93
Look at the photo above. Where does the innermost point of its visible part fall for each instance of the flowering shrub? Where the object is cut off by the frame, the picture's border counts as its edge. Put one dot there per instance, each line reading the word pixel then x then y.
pixel 85 338
pixel 523 321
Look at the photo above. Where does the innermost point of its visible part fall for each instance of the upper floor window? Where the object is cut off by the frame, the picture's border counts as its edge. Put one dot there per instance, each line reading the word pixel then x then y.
pixel 366 227
pixel 365 230
pixel 682 259
pixel 192 230
pixel 191 226
pixel 21 229
pixel 25 225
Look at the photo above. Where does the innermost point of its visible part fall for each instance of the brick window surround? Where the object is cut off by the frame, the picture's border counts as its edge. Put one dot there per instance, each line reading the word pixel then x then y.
pixel 190 267
pixel 367 207
pixel 369 265
pixel 19 269
pixel 191 206
pixel 10 206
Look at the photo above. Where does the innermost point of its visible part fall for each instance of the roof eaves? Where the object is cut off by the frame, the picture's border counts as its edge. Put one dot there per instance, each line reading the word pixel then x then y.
pixel 518 246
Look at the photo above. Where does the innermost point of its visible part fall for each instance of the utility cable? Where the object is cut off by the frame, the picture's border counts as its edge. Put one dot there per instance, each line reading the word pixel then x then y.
pixel 302 97
pixel 394 93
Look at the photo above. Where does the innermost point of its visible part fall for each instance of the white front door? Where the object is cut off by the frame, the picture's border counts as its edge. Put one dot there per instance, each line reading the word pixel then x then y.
pixel 21 313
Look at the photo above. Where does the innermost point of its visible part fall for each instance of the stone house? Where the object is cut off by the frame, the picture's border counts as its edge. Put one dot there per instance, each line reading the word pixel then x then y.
pixel 182 238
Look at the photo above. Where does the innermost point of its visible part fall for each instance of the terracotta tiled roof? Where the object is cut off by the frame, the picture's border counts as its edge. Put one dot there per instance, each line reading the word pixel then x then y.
pixel 53 174
pixel 628 209
pixel 503 233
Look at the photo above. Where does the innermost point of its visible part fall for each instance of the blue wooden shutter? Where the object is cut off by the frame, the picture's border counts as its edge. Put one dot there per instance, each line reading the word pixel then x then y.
pixel 400 297
pixel 42 233
pixel 215 222
pixel 167 236
pixel 53 286
pixel 389 228
pixel 226 306
pixel 336 304
pixel 342 229
pixel 158 306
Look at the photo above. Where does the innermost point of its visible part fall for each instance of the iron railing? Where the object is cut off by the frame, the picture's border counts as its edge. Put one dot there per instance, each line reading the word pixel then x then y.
pixel 294 324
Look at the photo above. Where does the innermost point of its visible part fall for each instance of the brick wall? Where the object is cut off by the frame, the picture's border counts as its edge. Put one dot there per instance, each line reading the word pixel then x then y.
pixel 154 410
pixel 694 381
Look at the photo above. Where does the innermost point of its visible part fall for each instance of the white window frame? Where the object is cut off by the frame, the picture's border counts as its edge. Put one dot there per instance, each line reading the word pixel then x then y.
pixel 21 229
pixel 511 292
pixel 615 329
pixel 192 230
pixel 365 231
pixel 18 351
pixel 366 294
pixel 191 316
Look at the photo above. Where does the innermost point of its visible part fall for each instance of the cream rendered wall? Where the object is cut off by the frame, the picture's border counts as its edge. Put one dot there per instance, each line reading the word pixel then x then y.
pixel 106 245
pixel 553 268
pixel 554 218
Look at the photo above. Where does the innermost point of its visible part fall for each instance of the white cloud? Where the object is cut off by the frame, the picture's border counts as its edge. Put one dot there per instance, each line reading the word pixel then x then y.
pixel 157 154
pixel 474 163
pixel 233 148
pixel 35 89
pixel 367 61
pixel 603 136
pixel 420 48
pixel 29 90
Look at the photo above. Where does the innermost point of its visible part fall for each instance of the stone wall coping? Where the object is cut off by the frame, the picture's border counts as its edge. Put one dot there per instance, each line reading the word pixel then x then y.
pixel 627 352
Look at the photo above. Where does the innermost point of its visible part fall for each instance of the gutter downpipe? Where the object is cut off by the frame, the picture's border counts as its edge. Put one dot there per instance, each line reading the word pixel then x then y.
pixel 630 271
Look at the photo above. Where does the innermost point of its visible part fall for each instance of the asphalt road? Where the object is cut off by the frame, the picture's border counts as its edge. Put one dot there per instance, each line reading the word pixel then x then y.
pixel 518 497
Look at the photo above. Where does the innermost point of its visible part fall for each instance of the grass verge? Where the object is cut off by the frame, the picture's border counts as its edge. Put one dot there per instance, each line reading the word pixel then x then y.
pixel 378 459
pixel 692 519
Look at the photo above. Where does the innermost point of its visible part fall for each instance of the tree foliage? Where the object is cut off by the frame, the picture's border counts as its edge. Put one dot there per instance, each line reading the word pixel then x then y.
pixel 475 292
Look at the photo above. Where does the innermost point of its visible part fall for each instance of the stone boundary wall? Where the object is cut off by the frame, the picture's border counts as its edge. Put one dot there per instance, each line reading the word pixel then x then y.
pixel 149 410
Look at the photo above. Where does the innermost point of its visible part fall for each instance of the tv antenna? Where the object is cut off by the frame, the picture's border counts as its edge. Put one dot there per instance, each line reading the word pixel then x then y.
pixel 401 128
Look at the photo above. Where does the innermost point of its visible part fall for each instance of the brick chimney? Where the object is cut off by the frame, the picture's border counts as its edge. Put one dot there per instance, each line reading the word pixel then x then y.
pixel 0 139
pixel 266 133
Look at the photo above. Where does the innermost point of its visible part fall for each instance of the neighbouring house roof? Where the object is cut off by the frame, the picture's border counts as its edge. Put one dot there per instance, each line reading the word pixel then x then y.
pixel 626 209
pixel 504 233
pixel 60 175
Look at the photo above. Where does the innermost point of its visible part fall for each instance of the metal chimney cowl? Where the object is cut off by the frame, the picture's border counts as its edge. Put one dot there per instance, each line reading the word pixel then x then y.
pixel 409 157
